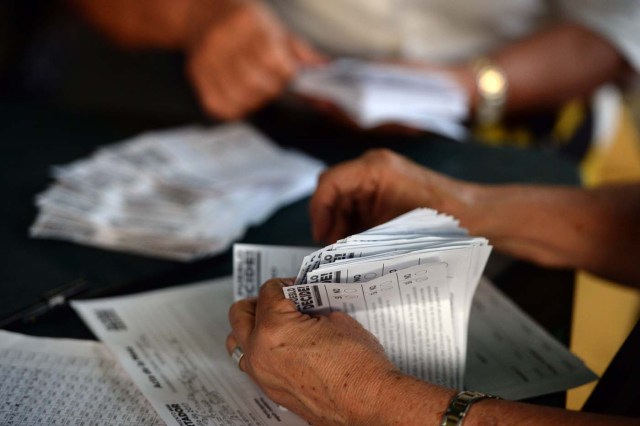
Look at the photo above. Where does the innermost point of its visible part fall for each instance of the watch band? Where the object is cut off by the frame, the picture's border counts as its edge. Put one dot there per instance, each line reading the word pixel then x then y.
pixel 460 405
pixel 493 88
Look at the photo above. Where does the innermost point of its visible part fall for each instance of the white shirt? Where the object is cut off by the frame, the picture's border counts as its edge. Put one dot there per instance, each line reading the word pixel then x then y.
pixel 444 31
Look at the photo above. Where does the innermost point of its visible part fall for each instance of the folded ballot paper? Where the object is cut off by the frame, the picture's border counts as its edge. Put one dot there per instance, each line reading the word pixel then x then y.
pixel 178 194
pixel 373 94
pixel 417 272
pixel 411 282
pixel 420 259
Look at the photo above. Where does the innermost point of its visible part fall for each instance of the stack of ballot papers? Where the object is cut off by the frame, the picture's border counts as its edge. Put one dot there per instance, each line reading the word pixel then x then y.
pixel 410 282
pixel 179 194
pixel 372 94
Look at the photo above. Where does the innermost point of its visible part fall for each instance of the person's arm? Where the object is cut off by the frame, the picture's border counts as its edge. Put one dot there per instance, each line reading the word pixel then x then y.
pixel 564 62
pixel 140 23
pixel 331 371
pixel 544 71
pixel 239 55
pixel 596 230
pixel 592 229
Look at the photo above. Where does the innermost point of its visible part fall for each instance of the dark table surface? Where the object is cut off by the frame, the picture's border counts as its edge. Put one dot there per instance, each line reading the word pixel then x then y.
pixel 36 136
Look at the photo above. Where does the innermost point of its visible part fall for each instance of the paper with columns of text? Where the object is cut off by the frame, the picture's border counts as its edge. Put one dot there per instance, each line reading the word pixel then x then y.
pixel 409 312
pixel 172 343
pixel 48 382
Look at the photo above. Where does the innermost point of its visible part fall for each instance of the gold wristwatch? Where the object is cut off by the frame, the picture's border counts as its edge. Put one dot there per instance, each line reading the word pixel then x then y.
pixel 493 89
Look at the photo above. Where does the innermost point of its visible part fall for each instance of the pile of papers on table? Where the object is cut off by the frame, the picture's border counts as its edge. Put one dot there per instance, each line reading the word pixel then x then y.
pixel 178 194
pixel 373 94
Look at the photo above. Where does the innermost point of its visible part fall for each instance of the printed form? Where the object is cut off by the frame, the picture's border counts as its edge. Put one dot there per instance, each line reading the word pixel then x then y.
pixel 510 355
pixel 48 382
pixel 172 343
pixel 253 265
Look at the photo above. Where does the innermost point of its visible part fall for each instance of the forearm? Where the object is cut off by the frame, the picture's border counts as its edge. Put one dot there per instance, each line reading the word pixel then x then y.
pixel 551 67
pixel 496 413
pixel 596 230
pixel 166 24
pixel 138 23
pixel 404 400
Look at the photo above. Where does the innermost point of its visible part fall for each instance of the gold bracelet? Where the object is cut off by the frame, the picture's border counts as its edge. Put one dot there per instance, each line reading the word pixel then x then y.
pixel 493 89
pixel 460 405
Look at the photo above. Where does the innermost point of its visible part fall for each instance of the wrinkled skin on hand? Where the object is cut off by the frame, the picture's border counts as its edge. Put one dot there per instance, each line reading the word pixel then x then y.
pixel 377 187
pixel 327 369
pixel 243 58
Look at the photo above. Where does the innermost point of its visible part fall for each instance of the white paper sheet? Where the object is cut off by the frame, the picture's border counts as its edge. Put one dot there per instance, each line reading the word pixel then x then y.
pixel 510 355
pixel 254 264
pixel 462 276
pixel 172 343
pixel 49 382
pixel 373 94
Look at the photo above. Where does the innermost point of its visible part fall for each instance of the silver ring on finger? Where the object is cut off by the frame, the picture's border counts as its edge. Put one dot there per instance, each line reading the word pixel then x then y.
pixel 236 356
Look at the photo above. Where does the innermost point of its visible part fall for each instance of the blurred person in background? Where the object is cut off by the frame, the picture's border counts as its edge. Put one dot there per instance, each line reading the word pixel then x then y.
pixel 538 63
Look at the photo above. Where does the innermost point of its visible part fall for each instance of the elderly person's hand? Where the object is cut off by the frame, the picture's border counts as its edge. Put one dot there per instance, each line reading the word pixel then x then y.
pixel 327 369
pixel 377 187
pixel 331 371
pixel 242 58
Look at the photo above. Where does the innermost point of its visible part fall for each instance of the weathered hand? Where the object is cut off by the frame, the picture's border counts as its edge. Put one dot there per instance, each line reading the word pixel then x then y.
pixel 244 58
pixel 327 369
pixel 377 187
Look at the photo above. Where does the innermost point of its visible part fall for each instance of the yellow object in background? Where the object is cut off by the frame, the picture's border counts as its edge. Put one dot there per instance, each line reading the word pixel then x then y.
pixel 604 312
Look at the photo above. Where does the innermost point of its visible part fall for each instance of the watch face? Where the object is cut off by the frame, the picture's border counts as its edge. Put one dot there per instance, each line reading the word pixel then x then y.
pixel 492 87
pixel 492 82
